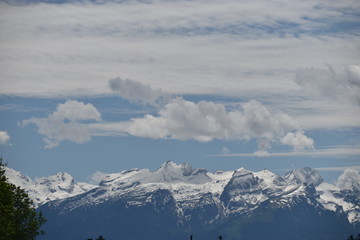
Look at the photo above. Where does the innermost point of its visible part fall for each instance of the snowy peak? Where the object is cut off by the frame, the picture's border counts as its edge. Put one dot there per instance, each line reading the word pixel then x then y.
pixel 168 173
pixel 171 172
pixel 304 176
pixel 171 168
pixel 42 190
pixel 242 191
pixel 59 182
pixel 243 179
pixel 270 179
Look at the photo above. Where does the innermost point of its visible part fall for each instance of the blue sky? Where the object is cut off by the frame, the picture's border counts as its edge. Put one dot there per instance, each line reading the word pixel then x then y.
pixel 90 86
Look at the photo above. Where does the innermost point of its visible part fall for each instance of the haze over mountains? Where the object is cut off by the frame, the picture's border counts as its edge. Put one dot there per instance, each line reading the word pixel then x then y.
pixel 176 200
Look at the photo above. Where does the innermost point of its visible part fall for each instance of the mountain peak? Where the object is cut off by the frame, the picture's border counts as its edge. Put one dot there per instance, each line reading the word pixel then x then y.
pixel 304 175
pixel 172 172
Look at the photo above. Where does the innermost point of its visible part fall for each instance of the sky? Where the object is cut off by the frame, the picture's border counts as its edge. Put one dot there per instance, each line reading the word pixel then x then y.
pixel 96 87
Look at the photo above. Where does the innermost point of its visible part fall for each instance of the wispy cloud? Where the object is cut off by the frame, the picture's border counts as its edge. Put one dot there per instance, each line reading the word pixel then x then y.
pixel 344 151
pixel 338 169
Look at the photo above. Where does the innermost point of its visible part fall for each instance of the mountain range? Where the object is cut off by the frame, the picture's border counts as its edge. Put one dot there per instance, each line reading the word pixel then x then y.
pixel 177 201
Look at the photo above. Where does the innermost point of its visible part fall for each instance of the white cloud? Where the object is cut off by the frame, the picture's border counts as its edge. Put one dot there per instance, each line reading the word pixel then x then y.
pixel 350 178
pixel 298 141
pixel 4 138
pixel 205 121
pixel 138 92
pixel 66 123
pixel 76 111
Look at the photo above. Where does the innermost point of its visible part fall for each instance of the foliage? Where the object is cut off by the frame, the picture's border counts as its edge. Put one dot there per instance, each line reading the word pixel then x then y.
pixel 99 238
pixel 18 217
pixel 351 237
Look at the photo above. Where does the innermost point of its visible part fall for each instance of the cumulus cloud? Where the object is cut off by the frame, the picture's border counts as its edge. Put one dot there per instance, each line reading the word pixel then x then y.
pixel 337 85
pixel 138 92
pixel 349 179
pixel 66 123
pixel 4 138
pixel 298 141
pixel 205 121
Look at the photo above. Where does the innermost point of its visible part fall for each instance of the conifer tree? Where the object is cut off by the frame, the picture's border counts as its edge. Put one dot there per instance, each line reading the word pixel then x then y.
pixel 351 237
pixel 18 217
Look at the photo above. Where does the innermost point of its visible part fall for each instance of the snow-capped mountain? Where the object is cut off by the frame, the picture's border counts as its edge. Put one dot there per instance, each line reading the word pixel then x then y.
pixel 176 200
pixel 45 189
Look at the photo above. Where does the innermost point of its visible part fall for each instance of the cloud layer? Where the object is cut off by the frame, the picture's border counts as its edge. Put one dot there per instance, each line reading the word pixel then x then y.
pixel 225 47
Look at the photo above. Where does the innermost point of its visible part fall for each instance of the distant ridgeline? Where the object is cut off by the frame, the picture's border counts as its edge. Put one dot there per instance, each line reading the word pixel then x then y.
pixel 177 201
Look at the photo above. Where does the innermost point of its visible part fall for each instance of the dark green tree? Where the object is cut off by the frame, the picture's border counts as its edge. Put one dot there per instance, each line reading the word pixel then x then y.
pixel 351 237
pixel 18 217
pixel 100 238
